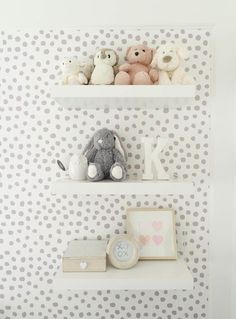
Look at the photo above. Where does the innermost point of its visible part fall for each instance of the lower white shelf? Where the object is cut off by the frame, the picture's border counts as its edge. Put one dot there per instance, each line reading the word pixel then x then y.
pixel 129 187
pixel 146 275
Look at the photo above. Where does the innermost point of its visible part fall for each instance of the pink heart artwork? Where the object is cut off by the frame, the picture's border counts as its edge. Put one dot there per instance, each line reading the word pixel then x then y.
pixel 157 239
pixel 157 225
pixel 144 239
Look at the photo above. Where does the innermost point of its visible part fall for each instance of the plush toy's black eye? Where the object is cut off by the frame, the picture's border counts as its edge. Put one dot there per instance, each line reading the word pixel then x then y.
pixel 63 63
pixel 143 50
pixel 109 56
pixel 114 138
pixel 70 61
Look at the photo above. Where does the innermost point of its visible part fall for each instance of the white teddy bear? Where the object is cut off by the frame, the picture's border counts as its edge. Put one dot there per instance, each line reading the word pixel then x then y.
pixel 105 61
pixel 168 60
pixel 75 72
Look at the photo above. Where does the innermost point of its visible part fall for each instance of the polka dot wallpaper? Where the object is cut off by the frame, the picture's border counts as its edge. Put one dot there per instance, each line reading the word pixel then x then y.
pixel 35 131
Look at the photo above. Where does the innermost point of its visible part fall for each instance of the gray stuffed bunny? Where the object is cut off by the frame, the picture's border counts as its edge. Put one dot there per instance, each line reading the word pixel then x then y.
pixel 106 157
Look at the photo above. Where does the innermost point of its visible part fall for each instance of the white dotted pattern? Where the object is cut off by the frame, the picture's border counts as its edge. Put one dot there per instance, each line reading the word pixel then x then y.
pixel 35 227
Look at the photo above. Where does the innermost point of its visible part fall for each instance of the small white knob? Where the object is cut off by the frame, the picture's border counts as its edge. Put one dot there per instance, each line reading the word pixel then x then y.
pixel 83 265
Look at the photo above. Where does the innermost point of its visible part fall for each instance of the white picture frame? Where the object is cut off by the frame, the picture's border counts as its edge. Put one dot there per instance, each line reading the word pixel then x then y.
pixel 154 230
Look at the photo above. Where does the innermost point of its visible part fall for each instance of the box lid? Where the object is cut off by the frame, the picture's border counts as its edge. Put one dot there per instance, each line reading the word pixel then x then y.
pixel 86 248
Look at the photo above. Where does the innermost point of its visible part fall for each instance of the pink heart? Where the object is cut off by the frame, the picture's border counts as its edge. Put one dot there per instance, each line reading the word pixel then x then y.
pixel 157 239
pixel 144 239
pixel 157 225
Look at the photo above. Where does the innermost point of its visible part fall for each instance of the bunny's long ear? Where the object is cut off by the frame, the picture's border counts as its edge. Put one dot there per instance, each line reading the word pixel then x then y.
pixel 119 146
pixel 88 147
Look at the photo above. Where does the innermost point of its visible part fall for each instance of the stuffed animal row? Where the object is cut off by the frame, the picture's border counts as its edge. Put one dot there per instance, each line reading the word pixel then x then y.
pixel 144 66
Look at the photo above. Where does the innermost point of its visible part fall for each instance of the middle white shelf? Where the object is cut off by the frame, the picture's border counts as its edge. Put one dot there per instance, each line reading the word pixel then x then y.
pixel 128 187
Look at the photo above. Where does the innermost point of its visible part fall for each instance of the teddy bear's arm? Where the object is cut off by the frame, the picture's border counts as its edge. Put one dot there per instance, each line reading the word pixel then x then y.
pixel 164 78
pixel 86 69
pixel 82 78
pixel 125 67
pixel 153 73
pixel 115 69
pixel 64 80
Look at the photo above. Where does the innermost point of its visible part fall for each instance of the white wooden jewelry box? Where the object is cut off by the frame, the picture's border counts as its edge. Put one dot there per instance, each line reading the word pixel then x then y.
pixel 85 255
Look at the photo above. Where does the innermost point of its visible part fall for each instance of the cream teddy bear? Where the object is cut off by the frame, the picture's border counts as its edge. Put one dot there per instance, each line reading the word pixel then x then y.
pixel 105 61
pixel 168 60
pixel 75 72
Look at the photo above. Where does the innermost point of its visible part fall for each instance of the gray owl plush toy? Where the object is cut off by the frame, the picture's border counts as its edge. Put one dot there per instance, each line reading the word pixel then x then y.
pixel 106 157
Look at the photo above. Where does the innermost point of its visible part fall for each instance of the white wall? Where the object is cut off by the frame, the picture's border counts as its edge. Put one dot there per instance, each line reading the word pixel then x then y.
pixel 222 14
pixel 233 297
pixel 62 13
pixel 223 174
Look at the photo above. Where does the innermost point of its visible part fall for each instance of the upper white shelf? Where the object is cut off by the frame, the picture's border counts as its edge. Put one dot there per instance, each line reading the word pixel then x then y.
pixel 128 187
pixel 148 275
pixel 132 96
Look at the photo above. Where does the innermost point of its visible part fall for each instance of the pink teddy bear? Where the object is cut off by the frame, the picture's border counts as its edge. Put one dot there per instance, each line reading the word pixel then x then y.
pixel 138 70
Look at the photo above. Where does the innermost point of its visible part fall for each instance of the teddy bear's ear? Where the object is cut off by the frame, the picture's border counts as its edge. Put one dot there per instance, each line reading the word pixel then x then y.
pixel 153 64
pixel 117 57
pixel 153 51
pixel 127 51
pixel 182 52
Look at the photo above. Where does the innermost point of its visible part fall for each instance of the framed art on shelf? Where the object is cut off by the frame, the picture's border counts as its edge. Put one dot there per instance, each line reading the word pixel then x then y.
pixel 154 230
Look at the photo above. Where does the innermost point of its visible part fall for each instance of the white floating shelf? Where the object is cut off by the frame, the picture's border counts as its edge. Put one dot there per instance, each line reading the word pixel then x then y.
pixel 132 96
pixel 146 275
pixel 129 187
